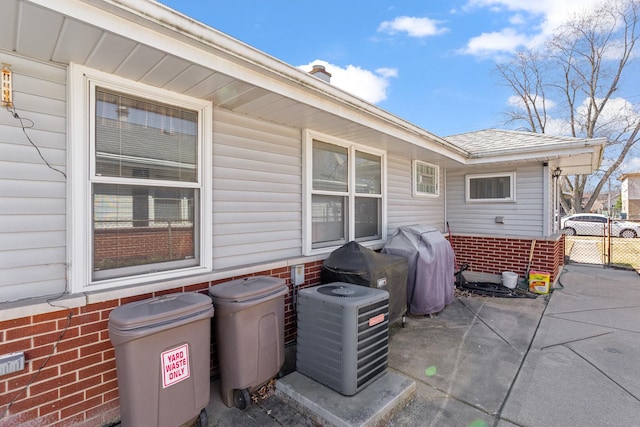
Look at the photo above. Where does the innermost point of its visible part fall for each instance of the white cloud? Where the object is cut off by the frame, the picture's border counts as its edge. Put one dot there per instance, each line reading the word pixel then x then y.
pixel 517 19
pixel 486 44
pixel 369 85
pixel 516 101
pixel 631 164
pixel 617 115
pixel 414 27
pixel 541 16
pixel 559 127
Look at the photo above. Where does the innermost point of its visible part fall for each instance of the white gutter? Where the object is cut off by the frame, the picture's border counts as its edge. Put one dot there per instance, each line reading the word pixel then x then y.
pixel 583 146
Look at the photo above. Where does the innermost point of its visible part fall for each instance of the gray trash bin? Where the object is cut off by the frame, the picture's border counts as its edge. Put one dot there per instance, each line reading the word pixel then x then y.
pixel 249 328
pixel 163 355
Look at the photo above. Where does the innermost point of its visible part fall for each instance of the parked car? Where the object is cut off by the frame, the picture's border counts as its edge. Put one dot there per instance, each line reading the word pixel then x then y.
pixel 586 224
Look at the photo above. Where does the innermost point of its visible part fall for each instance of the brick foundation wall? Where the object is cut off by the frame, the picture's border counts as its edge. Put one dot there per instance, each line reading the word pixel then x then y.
pixel 72 381
pixel 495 255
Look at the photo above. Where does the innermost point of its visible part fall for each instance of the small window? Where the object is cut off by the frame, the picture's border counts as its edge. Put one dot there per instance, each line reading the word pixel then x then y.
pixel 425 179
pixel 498 187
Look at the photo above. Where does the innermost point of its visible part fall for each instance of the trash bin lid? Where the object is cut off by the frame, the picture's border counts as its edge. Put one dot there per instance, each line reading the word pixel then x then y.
pixel 246 289
pixel 158 310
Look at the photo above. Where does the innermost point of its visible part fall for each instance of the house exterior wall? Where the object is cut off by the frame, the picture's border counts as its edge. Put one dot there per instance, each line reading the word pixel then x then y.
pixel 257 191
pixel 69 377
pixel 630 193
pixel 33 196
pixel 403 207
pixel 524 217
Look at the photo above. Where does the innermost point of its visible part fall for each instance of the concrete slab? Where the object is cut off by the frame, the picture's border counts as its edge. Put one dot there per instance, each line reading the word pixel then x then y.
pixel 615 355
pixel 372 406
pixel 471 351
pixel 583 368
pixel 558 387
pixel 569 358
pixel 271 412
pixel 431 408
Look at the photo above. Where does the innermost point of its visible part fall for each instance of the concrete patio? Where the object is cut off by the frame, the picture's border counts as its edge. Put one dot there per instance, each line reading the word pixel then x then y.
pixel 568 358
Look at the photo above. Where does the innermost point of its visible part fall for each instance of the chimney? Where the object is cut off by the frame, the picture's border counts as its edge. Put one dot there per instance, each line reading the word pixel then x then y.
pixel 320 72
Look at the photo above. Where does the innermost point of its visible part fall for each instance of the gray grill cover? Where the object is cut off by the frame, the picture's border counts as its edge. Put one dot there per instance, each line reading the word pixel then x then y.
pixel 430 281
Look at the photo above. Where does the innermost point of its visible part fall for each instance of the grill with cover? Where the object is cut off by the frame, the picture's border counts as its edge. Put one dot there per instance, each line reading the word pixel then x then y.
pixel 353 263
pixel 430 282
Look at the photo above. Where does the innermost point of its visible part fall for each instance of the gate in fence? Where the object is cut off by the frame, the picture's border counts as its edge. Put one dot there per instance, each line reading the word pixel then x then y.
pixel 596 239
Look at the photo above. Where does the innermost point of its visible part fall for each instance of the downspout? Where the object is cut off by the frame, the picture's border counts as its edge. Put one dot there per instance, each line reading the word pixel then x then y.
pixel 444 198
pixel 546 194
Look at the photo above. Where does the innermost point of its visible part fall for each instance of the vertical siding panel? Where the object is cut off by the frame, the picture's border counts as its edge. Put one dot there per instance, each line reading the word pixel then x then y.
pixel 257 191
pixel 33 196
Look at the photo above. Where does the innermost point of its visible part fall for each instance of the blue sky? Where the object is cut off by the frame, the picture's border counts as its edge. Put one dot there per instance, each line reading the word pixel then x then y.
pixel 429 62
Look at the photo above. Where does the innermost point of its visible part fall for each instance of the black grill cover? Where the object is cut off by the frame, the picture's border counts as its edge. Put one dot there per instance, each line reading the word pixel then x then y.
pixel 353 263
pixel 430 282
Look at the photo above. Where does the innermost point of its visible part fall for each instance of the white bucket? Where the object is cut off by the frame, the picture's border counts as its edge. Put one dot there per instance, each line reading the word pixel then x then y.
pixel 509 279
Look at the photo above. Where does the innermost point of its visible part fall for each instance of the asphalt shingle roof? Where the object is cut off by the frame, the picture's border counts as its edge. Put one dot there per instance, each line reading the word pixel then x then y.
pixel 495 140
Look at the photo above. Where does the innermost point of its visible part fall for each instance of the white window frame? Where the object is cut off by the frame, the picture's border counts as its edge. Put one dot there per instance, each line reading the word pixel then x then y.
pixel 307 153
pixel 81 83
pixel 512 187
pixel 416 179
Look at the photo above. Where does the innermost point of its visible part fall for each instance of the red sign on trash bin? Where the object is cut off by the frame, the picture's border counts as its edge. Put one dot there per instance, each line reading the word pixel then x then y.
pixel 175 365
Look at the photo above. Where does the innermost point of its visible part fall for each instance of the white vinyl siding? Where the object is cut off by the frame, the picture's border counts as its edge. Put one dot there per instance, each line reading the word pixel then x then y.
pixel 402 208
pixel 32 196
pixel 257 191
pixel 521 218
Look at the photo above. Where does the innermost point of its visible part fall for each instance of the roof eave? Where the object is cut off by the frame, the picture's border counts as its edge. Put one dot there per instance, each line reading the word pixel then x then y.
pixel 269 72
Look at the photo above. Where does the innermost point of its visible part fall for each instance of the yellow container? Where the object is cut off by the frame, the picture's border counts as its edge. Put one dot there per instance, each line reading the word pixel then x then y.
pixel 539 282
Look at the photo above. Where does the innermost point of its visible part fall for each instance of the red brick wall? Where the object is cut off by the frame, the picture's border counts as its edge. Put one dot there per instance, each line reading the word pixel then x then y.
pixel 497 254
pixel 77 383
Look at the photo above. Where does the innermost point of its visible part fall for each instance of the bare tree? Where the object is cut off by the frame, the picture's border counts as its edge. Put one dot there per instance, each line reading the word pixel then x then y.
pixel 581 68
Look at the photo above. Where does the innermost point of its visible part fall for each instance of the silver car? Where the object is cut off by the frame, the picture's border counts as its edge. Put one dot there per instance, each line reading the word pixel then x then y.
pixel 597 225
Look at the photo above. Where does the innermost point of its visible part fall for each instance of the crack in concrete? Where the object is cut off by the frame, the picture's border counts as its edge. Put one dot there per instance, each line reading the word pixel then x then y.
pixel 595 324
pixel 594 309
pixel 576 340
pixel 488 326
pixel 603 373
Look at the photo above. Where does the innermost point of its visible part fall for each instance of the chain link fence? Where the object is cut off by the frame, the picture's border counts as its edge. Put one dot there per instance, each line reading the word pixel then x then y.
pixel 596 239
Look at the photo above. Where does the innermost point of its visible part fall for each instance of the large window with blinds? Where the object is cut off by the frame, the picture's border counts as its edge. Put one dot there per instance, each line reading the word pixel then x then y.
pixel 345 199
pixel 143 213
pixel 145 189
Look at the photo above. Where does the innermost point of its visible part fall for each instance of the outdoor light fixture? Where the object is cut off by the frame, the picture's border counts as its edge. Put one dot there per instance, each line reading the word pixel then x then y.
pixel 556 173
pixel 7 90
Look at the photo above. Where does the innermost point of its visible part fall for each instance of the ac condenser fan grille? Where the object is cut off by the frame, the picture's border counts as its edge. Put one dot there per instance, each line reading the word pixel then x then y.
pixel 343 291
